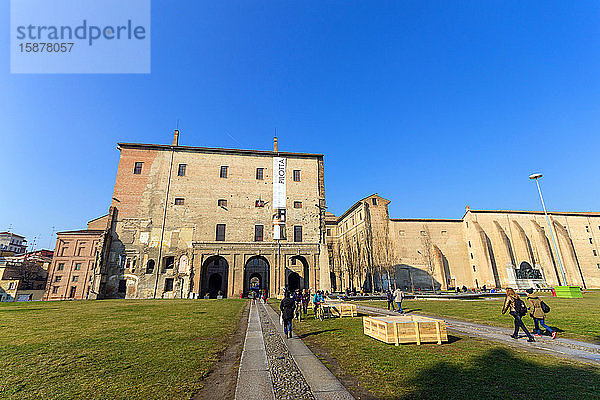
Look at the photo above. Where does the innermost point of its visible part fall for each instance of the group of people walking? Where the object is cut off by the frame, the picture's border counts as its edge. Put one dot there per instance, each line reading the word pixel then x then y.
pixel 395 297
pixel 295 304
pixel 517 309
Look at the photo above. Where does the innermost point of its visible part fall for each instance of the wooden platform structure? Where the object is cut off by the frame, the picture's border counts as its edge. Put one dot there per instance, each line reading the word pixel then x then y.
pixel 344 310
pixel 405 329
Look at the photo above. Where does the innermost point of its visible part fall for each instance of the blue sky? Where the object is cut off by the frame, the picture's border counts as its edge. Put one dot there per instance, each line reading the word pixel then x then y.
pixel 435 105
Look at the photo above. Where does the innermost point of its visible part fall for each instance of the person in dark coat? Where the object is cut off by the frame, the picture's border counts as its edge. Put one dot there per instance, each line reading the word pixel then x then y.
pixel 287 307
pixel 390 300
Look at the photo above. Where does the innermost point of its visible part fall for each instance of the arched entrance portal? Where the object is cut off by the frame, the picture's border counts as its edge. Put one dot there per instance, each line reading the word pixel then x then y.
pixel 214 277
pixel 293 281
pixel 256 274
pixel 299 263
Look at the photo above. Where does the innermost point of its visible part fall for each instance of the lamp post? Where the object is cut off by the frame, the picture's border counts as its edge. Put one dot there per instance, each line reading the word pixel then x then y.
pixel 535 177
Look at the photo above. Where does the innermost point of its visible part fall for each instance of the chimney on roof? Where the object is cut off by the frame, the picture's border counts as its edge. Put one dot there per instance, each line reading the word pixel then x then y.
pixel 468 208
pixel 176 138
pixel 275 144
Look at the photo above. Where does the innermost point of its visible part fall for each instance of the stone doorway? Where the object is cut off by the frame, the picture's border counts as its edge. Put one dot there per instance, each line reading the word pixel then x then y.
pixel 256 274
pixel 215 271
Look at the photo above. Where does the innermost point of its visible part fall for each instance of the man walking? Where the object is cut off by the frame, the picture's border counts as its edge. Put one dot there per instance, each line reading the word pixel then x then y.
pixel 398 296
pixel 287 307
pixel 390 299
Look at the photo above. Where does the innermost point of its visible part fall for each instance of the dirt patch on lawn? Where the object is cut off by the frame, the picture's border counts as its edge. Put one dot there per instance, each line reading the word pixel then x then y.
pixel 222 379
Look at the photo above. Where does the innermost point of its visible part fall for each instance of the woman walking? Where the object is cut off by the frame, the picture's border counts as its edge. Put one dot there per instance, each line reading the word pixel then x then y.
pixel 516 306
pixel 537 313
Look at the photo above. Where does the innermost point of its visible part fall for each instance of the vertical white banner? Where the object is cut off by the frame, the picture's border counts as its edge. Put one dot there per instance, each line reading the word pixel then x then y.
pixel 279 178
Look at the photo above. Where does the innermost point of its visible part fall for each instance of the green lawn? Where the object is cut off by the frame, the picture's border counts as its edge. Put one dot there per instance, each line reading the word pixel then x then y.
pixel 578 318
pixel 112 349
pixel 462 369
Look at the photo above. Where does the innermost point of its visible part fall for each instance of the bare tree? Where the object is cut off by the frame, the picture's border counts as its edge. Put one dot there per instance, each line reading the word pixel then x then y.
pixel 428 253
pixel 28 273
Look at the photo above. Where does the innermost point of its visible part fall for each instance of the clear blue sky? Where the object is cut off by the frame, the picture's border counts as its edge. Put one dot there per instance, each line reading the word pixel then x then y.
pixel 435 105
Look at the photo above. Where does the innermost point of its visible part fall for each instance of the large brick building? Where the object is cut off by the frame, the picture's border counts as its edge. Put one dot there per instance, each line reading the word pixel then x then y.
pixel 493 248
pixel 195 221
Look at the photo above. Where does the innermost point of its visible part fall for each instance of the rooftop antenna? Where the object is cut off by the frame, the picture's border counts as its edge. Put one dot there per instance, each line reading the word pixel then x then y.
pixel 51 237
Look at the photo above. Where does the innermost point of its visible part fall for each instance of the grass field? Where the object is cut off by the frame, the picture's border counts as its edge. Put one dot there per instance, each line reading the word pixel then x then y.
pixel 462 369
pixel 576 318
pixel 112 349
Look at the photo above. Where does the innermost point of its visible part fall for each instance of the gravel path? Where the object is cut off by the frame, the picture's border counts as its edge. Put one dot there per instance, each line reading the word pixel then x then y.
pixel 288 381
pixel 566 348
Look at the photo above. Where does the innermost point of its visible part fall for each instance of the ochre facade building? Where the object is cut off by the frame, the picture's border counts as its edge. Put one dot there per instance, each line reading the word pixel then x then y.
pixel 486 247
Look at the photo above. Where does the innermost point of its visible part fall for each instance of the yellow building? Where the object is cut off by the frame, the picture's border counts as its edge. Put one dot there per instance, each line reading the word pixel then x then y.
pixel 494 248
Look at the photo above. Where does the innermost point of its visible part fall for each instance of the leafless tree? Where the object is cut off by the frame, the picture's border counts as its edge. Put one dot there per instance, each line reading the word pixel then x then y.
pixel 28 272
pixel 428 254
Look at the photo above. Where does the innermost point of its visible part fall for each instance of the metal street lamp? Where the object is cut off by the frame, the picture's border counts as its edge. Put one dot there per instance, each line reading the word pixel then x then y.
pixel 535 177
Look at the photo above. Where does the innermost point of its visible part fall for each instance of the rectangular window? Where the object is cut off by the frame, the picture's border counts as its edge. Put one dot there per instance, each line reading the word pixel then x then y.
pixel 259 203
pixel 137 169
pixel 181 170
pixel 374 201
pixel 258 233
pixel 57 279
pixel 80 251
pixel 220 232
pixel 169 285
pixel 401 233
pixel 297 233
pixel 259 174
pixel 296 175
pixel 168 262
pixel 328 232
pixel 77 266
pixel 73 292
pixel 179 201
pixel 223 171
pixel 75 278
pixel 297 204
pixel 61 266
pixel 55 289
pixel 222 203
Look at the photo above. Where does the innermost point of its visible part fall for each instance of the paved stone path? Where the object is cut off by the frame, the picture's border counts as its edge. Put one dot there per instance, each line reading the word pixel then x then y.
pixel 275 368
pixel 567 348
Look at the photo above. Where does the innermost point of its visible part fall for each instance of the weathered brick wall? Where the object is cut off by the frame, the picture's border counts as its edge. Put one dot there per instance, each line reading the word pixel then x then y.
pixel 140 226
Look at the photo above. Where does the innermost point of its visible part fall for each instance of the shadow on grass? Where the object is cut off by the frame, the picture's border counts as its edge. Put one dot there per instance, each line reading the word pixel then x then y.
pixel 453 339
pixel 26 309
pixel 317 333
pixel 499 374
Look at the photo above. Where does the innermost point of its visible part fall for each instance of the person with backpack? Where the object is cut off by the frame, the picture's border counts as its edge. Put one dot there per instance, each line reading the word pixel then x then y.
pixel 518 309
pixel 538 310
